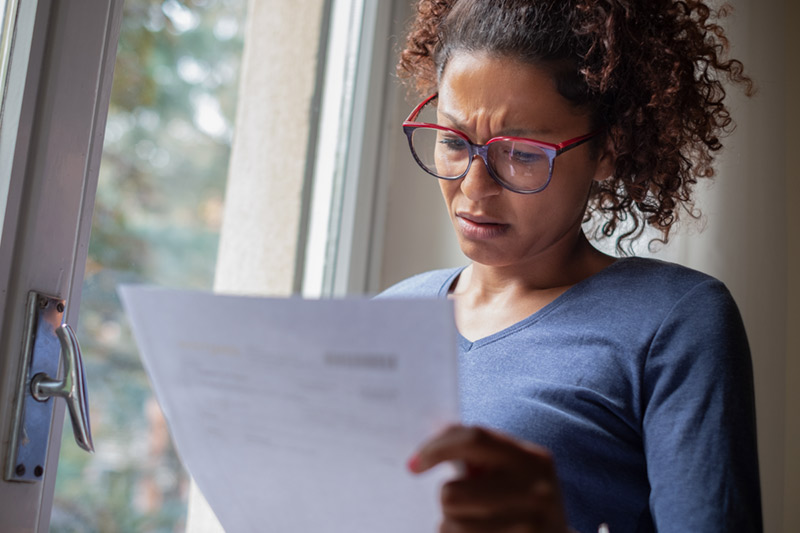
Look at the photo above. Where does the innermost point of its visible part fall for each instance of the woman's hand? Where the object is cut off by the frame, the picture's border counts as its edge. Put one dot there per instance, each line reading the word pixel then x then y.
pixel 506 485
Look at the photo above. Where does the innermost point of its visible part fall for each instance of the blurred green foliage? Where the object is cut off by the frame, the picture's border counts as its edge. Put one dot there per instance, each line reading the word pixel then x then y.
pixel 156 220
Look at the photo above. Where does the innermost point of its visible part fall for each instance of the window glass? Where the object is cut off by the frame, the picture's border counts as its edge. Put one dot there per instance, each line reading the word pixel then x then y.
pixel 157 218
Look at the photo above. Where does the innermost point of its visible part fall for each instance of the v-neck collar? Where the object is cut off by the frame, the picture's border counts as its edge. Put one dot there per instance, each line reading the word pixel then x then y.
pixel 465 345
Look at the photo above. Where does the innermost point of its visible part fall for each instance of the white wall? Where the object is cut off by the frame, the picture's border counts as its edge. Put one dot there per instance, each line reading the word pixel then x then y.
pixel 750 240
pixel 417 234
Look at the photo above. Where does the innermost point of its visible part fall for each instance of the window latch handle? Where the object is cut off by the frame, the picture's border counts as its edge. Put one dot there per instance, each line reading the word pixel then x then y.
pixel 48 344
pixel 71 387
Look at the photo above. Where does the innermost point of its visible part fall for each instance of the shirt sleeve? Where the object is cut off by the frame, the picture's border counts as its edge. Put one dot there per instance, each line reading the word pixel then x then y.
pixel 698 422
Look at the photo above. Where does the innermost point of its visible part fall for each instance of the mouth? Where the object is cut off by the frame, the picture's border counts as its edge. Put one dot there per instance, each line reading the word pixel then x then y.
pixel 479 219
pixel 476 226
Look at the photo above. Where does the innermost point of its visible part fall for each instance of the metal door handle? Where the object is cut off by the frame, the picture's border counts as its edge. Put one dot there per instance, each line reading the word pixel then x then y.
pixel 72 387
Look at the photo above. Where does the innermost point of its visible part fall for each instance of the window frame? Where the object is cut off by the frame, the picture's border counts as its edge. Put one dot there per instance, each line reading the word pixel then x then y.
pixel 51 138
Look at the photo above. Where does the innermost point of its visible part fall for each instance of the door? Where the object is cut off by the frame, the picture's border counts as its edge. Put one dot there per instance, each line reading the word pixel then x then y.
pixel 54 112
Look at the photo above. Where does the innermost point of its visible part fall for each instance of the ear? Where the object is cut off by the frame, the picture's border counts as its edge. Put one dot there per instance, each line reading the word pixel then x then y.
pixel 606 160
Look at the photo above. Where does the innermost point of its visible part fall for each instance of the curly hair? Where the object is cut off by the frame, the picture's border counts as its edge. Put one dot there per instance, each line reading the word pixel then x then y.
pixel 650 73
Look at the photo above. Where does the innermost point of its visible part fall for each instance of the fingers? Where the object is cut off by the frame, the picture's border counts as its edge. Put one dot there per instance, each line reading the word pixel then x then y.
pixel 482 450
pixel 484 526
pixel 496 495
pixel 508 486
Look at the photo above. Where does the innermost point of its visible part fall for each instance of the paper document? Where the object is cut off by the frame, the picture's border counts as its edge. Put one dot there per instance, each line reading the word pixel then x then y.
pixel 298 416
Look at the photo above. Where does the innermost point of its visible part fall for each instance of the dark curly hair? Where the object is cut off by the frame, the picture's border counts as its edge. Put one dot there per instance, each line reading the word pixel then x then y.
pixel 650 73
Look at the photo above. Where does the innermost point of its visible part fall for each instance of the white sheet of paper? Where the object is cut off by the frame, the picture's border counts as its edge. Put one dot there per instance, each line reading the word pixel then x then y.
pixel 297 416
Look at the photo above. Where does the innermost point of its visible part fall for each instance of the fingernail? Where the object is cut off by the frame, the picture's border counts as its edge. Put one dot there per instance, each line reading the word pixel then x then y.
pixel 413 463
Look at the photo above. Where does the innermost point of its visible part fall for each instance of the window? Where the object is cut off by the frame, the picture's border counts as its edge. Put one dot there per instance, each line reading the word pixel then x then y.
pixel 157 217
pixel 189 192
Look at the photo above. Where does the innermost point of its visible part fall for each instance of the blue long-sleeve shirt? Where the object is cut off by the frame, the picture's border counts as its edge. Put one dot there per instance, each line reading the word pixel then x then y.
pixel 639 381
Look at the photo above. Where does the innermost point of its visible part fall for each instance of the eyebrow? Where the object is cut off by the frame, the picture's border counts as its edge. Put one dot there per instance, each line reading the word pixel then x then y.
pixel 516 132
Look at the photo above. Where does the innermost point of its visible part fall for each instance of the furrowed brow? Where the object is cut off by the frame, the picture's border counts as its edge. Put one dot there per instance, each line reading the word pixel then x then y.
pixel 528 133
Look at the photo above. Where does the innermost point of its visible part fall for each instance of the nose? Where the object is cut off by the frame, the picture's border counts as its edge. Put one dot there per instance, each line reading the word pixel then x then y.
pixel 478 184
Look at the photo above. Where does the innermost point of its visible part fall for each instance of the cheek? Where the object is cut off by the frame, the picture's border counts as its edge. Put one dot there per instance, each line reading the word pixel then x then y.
pixel 573 182
pixel 449 189
pixel 562 202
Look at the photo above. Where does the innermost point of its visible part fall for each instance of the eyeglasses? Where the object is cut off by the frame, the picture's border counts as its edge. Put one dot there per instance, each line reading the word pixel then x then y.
pixel 521 165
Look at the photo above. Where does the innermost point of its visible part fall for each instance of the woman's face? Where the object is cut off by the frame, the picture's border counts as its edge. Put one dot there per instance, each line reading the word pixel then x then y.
pixel 485 96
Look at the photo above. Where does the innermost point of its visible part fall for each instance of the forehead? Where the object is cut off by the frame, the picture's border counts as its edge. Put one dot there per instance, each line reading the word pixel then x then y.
pixel 480 91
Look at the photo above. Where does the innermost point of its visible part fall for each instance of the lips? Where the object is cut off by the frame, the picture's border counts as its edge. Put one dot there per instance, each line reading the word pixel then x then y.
pixel 478 219
pixel 479 226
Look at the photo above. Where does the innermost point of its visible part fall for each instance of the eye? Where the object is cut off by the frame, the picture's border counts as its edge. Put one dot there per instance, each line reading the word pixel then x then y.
pixel 452 143
pixel 524 155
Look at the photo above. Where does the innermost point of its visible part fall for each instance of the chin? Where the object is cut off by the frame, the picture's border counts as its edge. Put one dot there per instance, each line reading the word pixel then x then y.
pixel 484 256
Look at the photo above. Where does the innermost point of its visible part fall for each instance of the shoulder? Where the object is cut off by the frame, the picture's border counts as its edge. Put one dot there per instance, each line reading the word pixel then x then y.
pixel 655 275
pixel 651 304
pixel 686 320
pixel 430 284
pixel 656 286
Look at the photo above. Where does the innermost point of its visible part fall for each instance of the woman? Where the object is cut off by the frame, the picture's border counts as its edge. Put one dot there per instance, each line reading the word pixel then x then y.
pixel 595 390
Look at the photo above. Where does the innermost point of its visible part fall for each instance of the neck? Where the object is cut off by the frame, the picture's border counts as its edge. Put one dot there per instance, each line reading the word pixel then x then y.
pixel 554 270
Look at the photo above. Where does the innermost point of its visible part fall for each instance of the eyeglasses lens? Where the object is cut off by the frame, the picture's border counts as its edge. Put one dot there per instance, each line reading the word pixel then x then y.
pixel 441 152
pixel 521 165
